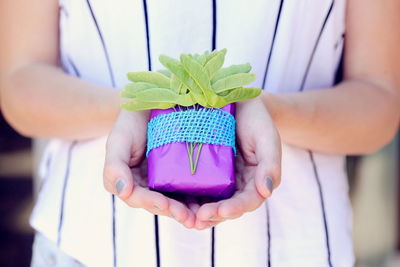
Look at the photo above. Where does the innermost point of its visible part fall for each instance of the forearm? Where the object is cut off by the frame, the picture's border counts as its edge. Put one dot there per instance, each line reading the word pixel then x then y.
pixel 354 117
pixel 40 100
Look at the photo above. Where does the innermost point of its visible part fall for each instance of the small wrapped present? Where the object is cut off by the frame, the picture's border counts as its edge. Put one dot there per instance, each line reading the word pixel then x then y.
pixel 191 133
pixel 203 139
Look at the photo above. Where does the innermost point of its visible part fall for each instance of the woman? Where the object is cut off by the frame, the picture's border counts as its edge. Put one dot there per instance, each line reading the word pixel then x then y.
pixel 294 48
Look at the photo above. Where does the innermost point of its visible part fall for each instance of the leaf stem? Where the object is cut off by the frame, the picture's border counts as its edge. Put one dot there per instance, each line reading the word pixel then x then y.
pixel 190 154
pixel 200 145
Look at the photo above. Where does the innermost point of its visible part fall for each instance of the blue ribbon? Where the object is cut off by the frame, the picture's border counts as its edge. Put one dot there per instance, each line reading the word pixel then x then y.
pixel 207 126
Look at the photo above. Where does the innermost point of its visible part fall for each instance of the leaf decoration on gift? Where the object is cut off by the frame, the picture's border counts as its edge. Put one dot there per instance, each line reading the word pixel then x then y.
pixel 197 73
pixel 150 77
pixel 132 89
pixel 165 72
pixel 135 104
pixel 214 64
pixel 175 67
pixel 240 94
pixel 164 95
pixel 231 70
pixel 201 59
pixel 194 79
pixel 233 81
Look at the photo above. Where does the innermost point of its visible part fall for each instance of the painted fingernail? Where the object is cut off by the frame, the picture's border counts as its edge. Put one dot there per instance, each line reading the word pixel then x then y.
pixel 269 183
pixel 120 186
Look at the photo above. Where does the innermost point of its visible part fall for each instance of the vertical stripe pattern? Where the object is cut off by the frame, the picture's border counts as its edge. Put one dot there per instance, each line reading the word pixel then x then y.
pixel 64 190
pixel 114 234
pixel 303 82
pixel 157 240
pixel 213 47
pixel 103 43
pixel 146 19
pixel 213 247
pixel 272 44
pixel 268 235
pixel 156 221
pixel 112 81
pixel 321 197
pixel 73 66
pixel 316 175
pixel 214 25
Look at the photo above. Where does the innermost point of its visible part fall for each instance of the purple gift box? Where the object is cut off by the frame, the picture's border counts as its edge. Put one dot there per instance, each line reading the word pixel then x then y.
pixel 169 168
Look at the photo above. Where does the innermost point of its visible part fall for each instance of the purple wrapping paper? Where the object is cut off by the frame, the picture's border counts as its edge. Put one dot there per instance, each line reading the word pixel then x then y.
pixel 169 168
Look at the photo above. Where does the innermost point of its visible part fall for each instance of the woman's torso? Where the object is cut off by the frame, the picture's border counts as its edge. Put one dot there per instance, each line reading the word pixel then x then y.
pixel 291 45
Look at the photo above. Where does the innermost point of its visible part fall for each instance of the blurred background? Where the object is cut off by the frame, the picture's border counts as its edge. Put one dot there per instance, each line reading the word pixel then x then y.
pixel 374 182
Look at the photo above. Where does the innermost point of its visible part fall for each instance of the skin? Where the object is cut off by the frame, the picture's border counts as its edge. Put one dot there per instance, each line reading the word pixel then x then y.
pixel 259 158
pixel 329 121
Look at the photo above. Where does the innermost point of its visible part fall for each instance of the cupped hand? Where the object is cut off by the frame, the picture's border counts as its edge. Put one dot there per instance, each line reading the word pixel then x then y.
pixel 258 166
pixel 125 170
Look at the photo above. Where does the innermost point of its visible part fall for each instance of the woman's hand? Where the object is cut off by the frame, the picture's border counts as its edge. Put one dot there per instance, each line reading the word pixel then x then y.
pixel 125 170
pixel 258 166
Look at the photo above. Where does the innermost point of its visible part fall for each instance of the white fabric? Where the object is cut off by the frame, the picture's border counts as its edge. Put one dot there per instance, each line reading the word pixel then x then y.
pixel 45 253
pixel 246 28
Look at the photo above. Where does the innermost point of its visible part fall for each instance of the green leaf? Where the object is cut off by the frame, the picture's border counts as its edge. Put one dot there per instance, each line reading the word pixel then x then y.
pixel 226 92
pixel 233 81
pixel 231 70
pixel 198 74
pixel 177 86
pixel 214 53
pixel 241 94
pixel 132 89
pixel 165 73
pixel 201 59
pixel 135 104
pixel 150 77
pixel 175 67
pixel 163 95
pixel 200 99
pixel 215 63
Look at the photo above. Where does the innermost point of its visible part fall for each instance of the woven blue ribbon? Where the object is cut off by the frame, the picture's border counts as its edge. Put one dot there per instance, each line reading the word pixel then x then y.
pixel 207 126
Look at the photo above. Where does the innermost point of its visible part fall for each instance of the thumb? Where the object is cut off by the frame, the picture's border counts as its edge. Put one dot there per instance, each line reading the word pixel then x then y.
pixel 117 175
pixel 268 171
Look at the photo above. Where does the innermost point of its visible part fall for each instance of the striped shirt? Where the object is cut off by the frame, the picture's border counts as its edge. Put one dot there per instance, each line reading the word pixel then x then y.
pixel 292 46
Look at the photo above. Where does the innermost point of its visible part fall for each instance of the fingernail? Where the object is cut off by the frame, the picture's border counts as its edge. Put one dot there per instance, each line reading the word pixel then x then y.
pixel 120 185
pixel 269 183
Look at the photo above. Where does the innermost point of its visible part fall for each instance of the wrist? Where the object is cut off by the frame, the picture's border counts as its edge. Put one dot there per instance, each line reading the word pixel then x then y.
pixel 277 106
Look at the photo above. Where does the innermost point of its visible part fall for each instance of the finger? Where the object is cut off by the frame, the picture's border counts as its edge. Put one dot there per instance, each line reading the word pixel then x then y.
pixel 190 220
pixel 201 225
pixel 245 201
pixel 192 204
pixel 266 179
pixel 117 176
pixel 208 212
pixel 178 210
pixel 152 201
pixel 268 170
